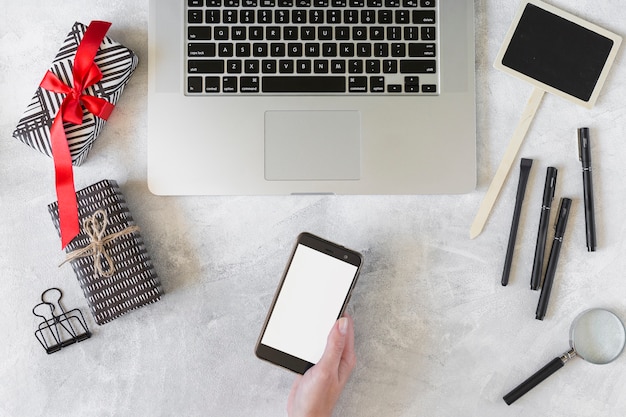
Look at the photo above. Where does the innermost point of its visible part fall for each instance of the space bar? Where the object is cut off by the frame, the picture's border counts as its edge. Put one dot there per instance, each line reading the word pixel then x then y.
pixel 304 84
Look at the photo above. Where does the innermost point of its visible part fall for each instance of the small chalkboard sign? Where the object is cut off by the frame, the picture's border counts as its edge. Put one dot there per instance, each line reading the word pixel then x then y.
pixel 558 53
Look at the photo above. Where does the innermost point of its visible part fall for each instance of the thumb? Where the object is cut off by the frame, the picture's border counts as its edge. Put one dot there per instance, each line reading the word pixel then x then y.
pixel 335 344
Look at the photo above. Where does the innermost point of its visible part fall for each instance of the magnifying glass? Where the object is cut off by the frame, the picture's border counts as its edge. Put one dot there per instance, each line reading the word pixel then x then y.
pixel 597 335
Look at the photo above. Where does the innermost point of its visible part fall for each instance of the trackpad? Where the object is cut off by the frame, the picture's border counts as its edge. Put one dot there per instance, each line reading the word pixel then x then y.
pixel 312 145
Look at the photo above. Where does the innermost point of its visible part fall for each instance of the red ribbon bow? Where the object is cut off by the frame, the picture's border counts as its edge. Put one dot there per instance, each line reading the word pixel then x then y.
pixel 85 74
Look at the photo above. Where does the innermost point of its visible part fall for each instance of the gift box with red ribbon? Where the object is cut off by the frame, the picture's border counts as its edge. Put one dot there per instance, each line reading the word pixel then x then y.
pixel 71 105
pixel 108 255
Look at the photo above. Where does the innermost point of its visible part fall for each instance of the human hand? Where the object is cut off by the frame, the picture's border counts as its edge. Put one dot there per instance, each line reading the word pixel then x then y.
pixel 315 393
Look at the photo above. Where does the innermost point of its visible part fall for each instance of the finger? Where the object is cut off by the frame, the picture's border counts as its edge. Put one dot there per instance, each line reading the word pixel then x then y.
pixel 348 357
pixel 335 344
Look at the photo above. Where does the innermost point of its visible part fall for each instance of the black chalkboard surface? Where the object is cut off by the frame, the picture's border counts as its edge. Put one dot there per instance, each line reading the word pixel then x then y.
pixel 557 52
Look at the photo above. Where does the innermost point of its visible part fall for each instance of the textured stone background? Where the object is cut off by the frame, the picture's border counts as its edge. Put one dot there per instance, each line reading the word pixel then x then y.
pixel 436 334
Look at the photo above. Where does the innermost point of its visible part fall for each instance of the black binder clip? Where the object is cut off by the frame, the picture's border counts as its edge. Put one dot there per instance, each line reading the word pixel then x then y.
pixel 57 331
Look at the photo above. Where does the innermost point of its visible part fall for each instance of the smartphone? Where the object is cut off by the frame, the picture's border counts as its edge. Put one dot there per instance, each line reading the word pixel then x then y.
pixel 312 295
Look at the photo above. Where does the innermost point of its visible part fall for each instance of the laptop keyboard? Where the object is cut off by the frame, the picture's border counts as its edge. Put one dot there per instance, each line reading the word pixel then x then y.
pixel 326 47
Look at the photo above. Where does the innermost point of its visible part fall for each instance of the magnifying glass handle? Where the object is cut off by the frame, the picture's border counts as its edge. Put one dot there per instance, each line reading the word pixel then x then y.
pixel 553 366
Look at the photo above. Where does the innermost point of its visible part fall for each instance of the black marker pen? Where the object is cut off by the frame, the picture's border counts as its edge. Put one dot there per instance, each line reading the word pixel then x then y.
pixel 584 154
pixel 542 234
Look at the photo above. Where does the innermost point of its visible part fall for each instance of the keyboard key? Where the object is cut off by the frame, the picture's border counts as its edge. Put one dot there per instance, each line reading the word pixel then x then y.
pixel 422 50
pixel 390 66
pixel 409 3
pixel 199 33
pixel 402 16
pixel 411 33
pixel 230 16
pixel 194 16
pixel 385 16
pixel 342 33
pixel 429 88
pixel 229 84
pixel 333 16
pixel 213 3
pixel 303 66
pixel 194 3
pixel 329 49
pixel 281 16
pixel 394 88
pixel 364 50
pixel 242 49
pixel 398 50
pixel 427 3
pixel 211 84
pixel 201 49
pixel 212 17
pixel 249 84
pixel 247 16
pixel 249 3
pixel 226 49
pixel 285 3
pixel 312 49
pixel 255 33
pixel 194 84
pixel 428 33
pixel 424 17
pixel 377 84
pixel 251 66
pixel 413 66
pixel 268 66
pixel 264 16
pixel 205 66
pixel 339 3
pixel 359 33
pixel 355 66
pixel 272 33
pixel 324 33
pixel 239 33
pixel 372 66
pixel 357 84
pixel 277 49
pixel 411 84
pixel 316 17
pixel 307 33
pixel 221 33
pixel 357 3
pixel 294 49
pixel 259 49
pixel 320 66
pixel 305 84
pixel 233 66
pixel 290 33
pixel 346 49
pixel 338 66
pixel 374 3
pixel 285 66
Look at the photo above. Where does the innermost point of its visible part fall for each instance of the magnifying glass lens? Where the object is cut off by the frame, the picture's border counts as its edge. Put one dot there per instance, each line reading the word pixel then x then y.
pixel 598 336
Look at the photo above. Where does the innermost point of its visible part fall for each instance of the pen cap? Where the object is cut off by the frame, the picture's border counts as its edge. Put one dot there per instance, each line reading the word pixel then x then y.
pixel 562 216
pixel 550 186
pixel 584 153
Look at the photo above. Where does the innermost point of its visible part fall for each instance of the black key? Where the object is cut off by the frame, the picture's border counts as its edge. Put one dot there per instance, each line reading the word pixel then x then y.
pixel 424 17
pixel 303 66
pixel 211 84
pixel 333 16
pixel 194 3
pixel 248 3
pixel 357 84
pixel 346 49
pixel 285 3
pixel 394 88
pixel 268 3
pixel 312 49
pixel 359 33
pixel 264 16
pixel 411 84
pixel 205 66
pixel 231 3
pixel 377 33
pixel 339 3
pixel 377 84
pixel 281 16
pixel 221 33
pixel 272 33
pixel 350 16
pixel 329 49
pixel 316 17
pixel 429 88
pixel 355 66
pixel 392 3
pixel 201 49
pixel 342 33
pixel 305 84
pixel 428 33
pixel 385 16
pixel 238 33
pixel 372 66
pixel 212 16
pixel 285 66
pixel 194 16
pixel 381 50
pixel 213 3
pixel 368 17
pixel 225 49
pixel 415 66
pixel 411 33
pixel 320 66
pixel 259 49
pixel 307 33
pixel 422 50
pixel 374 3
pixel 320 3
pixel 409 3
pixel 398 50
pixel 357 3
pixel 303 3
pixel 338 66
pixel 324 33
pixel 229 84
pixel 230 16
pixel 277 49
pixel 394 33
pixel 233 66
pixel 268 66
pixel 294 49
pixel 194 84
pixel 242 49
pixel 255 33
pixel 290 33
pixel 427 3
pixel 251 66
pixel 249 84
pixel 402 16
pixel 246 16
pixel 199 33
pixel 364 49
pixel 390 66
pixel 298 16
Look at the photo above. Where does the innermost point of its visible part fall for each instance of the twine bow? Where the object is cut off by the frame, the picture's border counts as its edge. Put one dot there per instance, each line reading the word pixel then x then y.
pixel 85 74
pixel 95 227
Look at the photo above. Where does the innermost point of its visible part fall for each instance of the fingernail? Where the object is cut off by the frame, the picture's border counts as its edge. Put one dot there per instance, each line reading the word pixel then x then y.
pixel 343 325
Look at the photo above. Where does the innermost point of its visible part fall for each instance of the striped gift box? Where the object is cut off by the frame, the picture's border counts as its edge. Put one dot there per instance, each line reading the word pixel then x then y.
pixel 126 279
pixel 117 64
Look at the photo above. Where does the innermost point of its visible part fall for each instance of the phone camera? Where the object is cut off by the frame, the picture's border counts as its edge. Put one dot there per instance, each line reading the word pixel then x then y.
pixel 345 256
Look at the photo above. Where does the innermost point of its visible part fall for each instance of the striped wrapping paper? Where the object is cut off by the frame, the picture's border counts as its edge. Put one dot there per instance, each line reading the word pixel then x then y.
pixel 134 282
pixel 117 64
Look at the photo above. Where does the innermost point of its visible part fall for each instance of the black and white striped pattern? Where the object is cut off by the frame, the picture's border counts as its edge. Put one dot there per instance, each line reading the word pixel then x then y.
pixel 135 283
pixel 117 64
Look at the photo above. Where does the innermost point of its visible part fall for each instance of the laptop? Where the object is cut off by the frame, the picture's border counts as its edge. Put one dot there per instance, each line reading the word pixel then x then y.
pixel 274 97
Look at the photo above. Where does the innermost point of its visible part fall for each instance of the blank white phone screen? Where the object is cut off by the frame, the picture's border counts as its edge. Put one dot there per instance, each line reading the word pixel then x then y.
pixel 308 304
